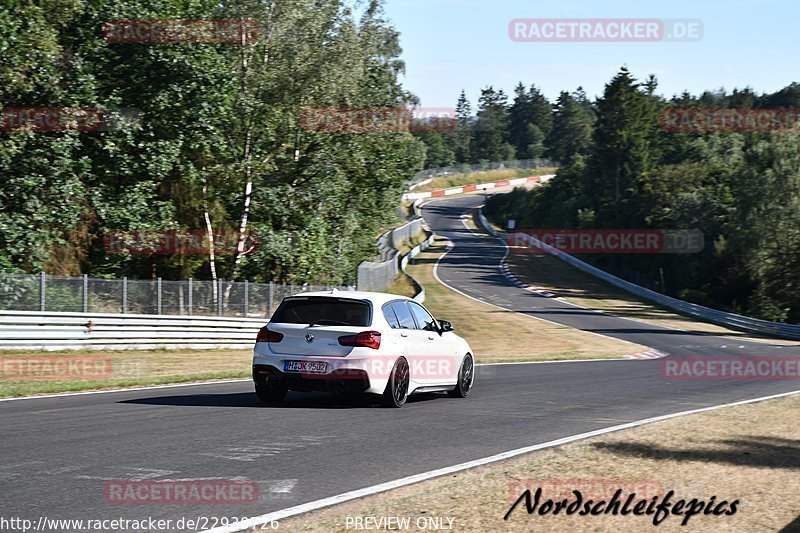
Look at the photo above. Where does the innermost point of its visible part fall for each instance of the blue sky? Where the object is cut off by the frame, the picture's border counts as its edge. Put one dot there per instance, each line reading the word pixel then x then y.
pixel 449 45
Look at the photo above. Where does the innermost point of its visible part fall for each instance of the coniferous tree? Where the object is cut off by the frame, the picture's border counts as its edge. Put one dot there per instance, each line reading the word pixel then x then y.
pixel 490 140
pixel 572 127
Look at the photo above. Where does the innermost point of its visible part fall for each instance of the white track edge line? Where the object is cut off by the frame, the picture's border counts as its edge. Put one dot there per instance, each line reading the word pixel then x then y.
pixel 424 476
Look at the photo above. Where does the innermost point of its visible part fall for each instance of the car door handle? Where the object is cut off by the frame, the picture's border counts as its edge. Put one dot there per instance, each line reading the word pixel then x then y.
pixel 431 337
pixel 404 334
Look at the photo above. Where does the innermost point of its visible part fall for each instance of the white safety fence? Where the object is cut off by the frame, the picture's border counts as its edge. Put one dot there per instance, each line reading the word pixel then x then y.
pixel 780 329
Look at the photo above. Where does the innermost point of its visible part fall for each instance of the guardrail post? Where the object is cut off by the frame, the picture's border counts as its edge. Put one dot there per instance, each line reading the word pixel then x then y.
pixel 124 295
pixel 158 296
pixel 190 296
pixel 86 293
pixel 41 292
pixel 271 295
pixel 219 297
pixel 246 297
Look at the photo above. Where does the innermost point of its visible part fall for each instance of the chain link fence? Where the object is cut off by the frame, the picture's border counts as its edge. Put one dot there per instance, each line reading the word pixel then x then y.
pixel 30 292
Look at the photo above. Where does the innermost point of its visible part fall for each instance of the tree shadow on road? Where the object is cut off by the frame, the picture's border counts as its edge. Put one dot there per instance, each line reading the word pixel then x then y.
pixel 292 401
pixel 793 527
pixel 753 451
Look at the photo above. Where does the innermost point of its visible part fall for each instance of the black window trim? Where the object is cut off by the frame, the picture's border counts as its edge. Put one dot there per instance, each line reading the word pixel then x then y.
pixel 383 309
pixel 435 322
pixel 414 320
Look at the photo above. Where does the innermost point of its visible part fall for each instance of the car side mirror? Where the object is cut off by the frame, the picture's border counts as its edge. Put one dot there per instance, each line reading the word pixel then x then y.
pixel 444 326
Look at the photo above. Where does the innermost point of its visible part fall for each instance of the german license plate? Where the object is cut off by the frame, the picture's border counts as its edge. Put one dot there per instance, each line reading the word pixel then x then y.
pixel 307 367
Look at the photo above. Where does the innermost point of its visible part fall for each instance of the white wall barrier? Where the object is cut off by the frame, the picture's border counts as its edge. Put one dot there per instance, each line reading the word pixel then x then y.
pixel 418 249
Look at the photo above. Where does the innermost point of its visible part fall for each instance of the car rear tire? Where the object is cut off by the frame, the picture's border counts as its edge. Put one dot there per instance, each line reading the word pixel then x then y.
pixel 396 392
pixel 270 395
pixel 466 376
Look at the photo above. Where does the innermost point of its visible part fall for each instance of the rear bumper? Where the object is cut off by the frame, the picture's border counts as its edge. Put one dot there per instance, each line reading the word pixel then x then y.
pixel 337 381
pixel 355 372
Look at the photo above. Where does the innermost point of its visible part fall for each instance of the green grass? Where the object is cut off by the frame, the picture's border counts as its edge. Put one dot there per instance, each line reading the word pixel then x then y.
pixel 13 388
pixel 127 368
pixel 403 286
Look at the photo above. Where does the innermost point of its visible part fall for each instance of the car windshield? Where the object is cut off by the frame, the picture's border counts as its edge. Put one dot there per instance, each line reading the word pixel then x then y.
pixel 323 312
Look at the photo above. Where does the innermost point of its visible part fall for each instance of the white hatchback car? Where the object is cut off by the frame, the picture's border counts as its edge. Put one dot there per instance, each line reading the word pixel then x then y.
pixel 359 342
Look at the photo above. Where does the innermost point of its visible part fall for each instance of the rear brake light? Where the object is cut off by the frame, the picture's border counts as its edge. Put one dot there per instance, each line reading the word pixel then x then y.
pixel 365 339
pixel 265 335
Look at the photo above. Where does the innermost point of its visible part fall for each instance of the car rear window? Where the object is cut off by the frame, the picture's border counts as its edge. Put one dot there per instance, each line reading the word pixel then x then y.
pixel 323 312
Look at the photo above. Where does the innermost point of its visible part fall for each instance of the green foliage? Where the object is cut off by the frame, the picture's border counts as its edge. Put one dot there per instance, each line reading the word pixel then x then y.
pixel 218 131
pixel 530 122
pixel 741 190
pixel 573 121
pixel 490 140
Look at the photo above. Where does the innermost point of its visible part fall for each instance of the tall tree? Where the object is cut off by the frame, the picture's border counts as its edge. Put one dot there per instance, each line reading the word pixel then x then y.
pixel 624 142
pixel 530 122
pixel 490 141
pixel 572 127
pixel 44 218
pixel 460 139
pixel 768 225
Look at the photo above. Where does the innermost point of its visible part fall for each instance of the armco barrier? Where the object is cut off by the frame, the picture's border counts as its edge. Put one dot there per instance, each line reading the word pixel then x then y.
pixel 31 330
pixel 424 177
pixel 476 187
pixel 779 329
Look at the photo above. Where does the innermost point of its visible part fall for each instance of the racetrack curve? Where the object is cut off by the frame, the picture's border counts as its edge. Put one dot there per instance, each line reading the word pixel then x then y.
pixel 58 453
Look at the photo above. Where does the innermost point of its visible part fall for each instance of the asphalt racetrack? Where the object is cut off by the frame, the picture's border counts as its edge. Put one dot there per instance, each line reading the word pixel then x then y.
pixel 59 453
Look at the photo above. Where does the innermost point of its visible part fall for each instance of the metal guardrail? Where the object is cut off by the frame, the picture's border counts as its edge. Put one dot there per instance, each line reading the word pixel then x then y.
pixel 424 176
pixel 29 330
pixel 756 325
